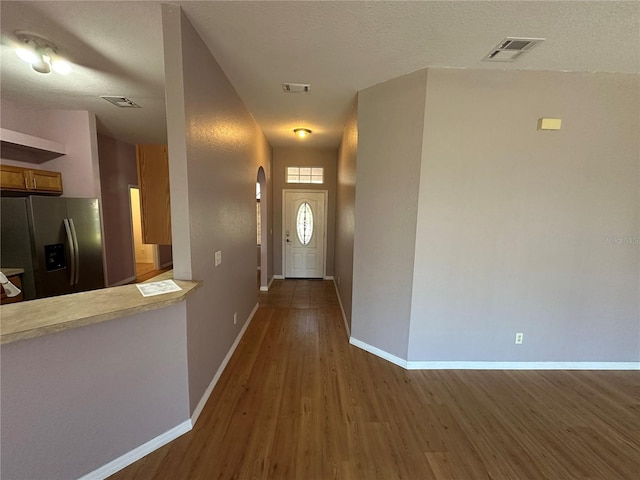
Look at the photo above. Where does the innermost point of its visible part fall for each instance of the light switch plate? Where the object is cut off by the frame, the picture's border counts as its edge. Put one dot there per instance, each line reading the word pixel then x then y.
pixel 218 257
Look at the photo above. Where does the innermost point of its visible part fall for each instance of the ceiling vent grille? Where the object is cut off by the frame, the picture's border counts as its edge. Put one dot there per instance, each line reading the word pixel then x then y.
pixel 296 87
pixel 511 48
pixel 121 102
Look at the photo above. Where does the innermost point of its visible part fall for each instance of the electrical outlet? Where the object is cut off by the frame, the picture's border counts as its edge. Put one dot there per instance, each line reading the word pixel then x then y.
pixel 519 338
pixel 218 257
pixel 235 318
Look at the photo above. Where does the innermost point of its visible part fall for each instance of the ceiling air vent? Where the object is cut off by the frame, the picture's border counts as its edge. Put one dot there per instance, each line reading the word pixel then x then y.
pixel 121 102
pixel 296 87
pixel 511 48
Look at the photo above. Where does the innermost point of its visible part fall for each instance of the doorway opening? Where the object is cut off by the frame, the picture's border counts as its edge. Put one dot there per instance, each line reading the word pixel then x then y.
pixel 262 225
pixel 146 263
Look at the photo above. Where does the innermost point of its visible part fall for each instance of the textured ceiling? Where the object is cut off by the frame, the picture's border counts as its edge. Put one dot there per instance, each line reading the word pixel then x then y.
pixel 338 47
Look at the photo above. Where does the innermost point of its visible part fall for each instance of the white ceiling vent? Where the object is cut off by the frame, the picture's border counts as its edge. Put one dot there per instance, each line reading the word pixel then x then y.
pixel 121 102
pixel 296 87
pixel 511 48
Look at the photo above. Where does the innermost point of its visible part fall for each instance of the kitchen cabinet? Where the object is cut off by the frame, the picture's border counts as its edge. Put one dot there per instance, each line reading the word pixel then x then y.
pixel 155 202
pixel 19 180
pixel 17 281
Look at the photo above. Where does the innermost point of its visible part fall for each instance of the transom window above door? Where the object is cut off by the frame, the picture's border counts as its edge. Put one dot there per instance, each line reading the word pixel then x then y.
pixel 305 175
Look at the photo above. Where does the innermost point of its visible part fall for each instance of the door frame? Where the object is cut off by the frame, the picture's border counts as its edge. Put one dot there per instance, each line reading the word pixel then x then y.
pixel 284 225
pixel 154 250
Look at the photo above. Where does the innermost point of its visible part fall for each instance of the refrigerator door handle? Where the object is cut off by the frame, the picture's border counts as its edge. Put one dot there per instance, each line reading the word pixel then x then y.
pixel 67 228
pixel 76 250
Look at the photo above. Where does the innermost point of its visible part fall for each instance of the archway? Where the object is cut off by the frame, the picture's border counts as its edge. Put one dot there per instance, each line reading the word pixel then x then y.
pixel 262 199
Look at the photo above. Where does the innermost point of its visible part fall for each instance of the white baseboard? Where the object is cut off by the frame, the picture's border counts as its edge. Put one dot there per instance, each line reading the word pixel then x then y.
pixel 126 281
pixel 161 440
pixel 216 377
pixel 138 453
pixel 328 277
pixel 380 353
pixel 344 316
pixel 266 289
pixel 453 365
pixel 279 277
pixel 523 366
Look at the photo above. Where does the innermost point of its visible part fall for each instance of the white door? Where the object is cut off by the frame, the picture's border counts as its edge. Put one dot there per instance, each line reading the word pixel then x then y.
pixel 304 233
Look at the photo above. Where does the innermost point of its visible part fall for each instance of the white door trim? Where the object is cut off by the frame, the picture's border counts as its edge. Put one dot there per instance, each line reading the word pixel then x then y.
pixel 282 233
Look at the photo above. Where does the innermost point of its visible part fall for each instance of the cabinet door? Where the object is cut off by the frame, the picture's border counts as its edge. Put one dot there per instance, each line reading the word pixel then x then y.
pixel 153 180
pixel 45 181
pixel 13 178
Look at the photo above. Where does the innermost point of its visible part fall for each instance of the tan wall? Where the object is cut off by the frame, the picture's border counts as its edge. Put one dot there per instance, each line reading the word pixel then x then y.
pixel 345 211
pixel 528 231
pixel 215 150
pixel 390 129
pixel 284 157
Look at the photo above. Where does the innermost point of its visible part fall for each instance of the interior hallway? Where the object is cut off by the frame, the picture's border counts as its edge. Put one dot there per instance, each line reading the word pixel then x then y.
pixel 296 401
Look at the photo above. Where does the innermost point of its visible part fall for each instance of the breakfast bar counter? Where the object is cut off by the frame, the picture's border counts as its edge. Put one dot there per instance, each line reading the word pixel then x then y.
pixel 20 321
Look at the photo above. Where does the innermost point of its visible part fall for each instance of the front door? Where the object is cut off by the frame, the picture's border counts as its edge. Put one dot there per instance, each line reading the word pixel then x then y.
pixel 304 233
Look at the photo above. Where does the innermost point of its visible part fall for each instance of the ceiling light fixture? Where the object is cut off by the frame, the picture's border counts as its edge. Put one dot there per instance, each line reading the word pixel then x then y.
pixel 302 132
pixel 40 53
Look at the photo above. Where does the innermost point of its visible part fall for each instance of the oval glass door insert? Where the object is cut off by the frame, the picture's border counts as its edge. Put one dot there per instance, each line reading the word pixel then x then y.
pixel 304 223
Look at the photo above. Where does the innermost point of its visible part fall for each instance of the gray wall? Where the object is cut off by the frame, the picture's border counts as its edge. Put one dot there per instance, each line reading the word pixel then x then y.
pixel 345 211
pixel 528 231
pixel 215 150
pixel 165 255
pixel 75 400
pixel 284 157
pixel 390 129
pixel 117 172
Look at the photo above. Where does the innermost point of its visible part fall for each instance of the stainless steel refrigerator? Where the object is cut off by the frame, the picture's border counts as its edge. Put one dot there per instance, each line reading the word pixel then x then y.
pixel 63 251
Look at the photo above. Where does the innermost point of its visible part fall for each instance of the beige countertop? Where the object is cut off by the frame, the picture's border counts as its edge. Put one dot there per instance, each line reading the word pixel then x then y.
pixel 23 320
pixel 12 271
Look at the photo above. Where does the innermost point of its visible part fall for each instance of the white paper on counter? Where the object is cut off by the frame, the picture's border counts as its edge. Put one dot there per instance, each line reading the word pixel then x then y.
pixel 157 288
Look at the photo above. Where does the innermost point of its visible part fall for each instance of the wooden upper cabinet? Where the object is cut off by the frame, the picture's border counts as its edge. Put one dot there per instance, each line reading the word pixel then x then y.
pixel 13 178
pixel 18 180
pixel 45 181
pixel 153 180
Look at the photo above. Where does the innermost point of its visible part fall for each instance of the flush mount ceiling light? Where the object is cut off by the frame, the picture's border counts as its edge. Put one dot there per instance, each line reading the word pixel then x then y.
pixel 42 54
pixel 511 48
pixel 302 132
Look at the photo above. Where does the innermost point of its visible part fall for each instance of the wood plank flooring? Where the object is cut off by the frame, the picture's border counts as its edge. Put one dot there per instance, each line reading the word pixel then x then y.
pixel 145 271
pixel 298 402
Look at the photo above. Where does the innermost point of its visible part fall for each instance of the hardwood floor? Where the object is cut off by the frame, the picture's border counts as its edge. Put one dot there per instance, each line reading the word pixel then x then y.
pixel 298 402
pixel 145 271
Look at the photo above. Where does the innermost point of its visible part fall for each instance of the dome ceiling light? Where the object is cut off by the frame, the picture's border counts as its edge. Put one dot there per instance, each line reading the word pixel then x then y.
pixel 42 54
pixel 302 133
